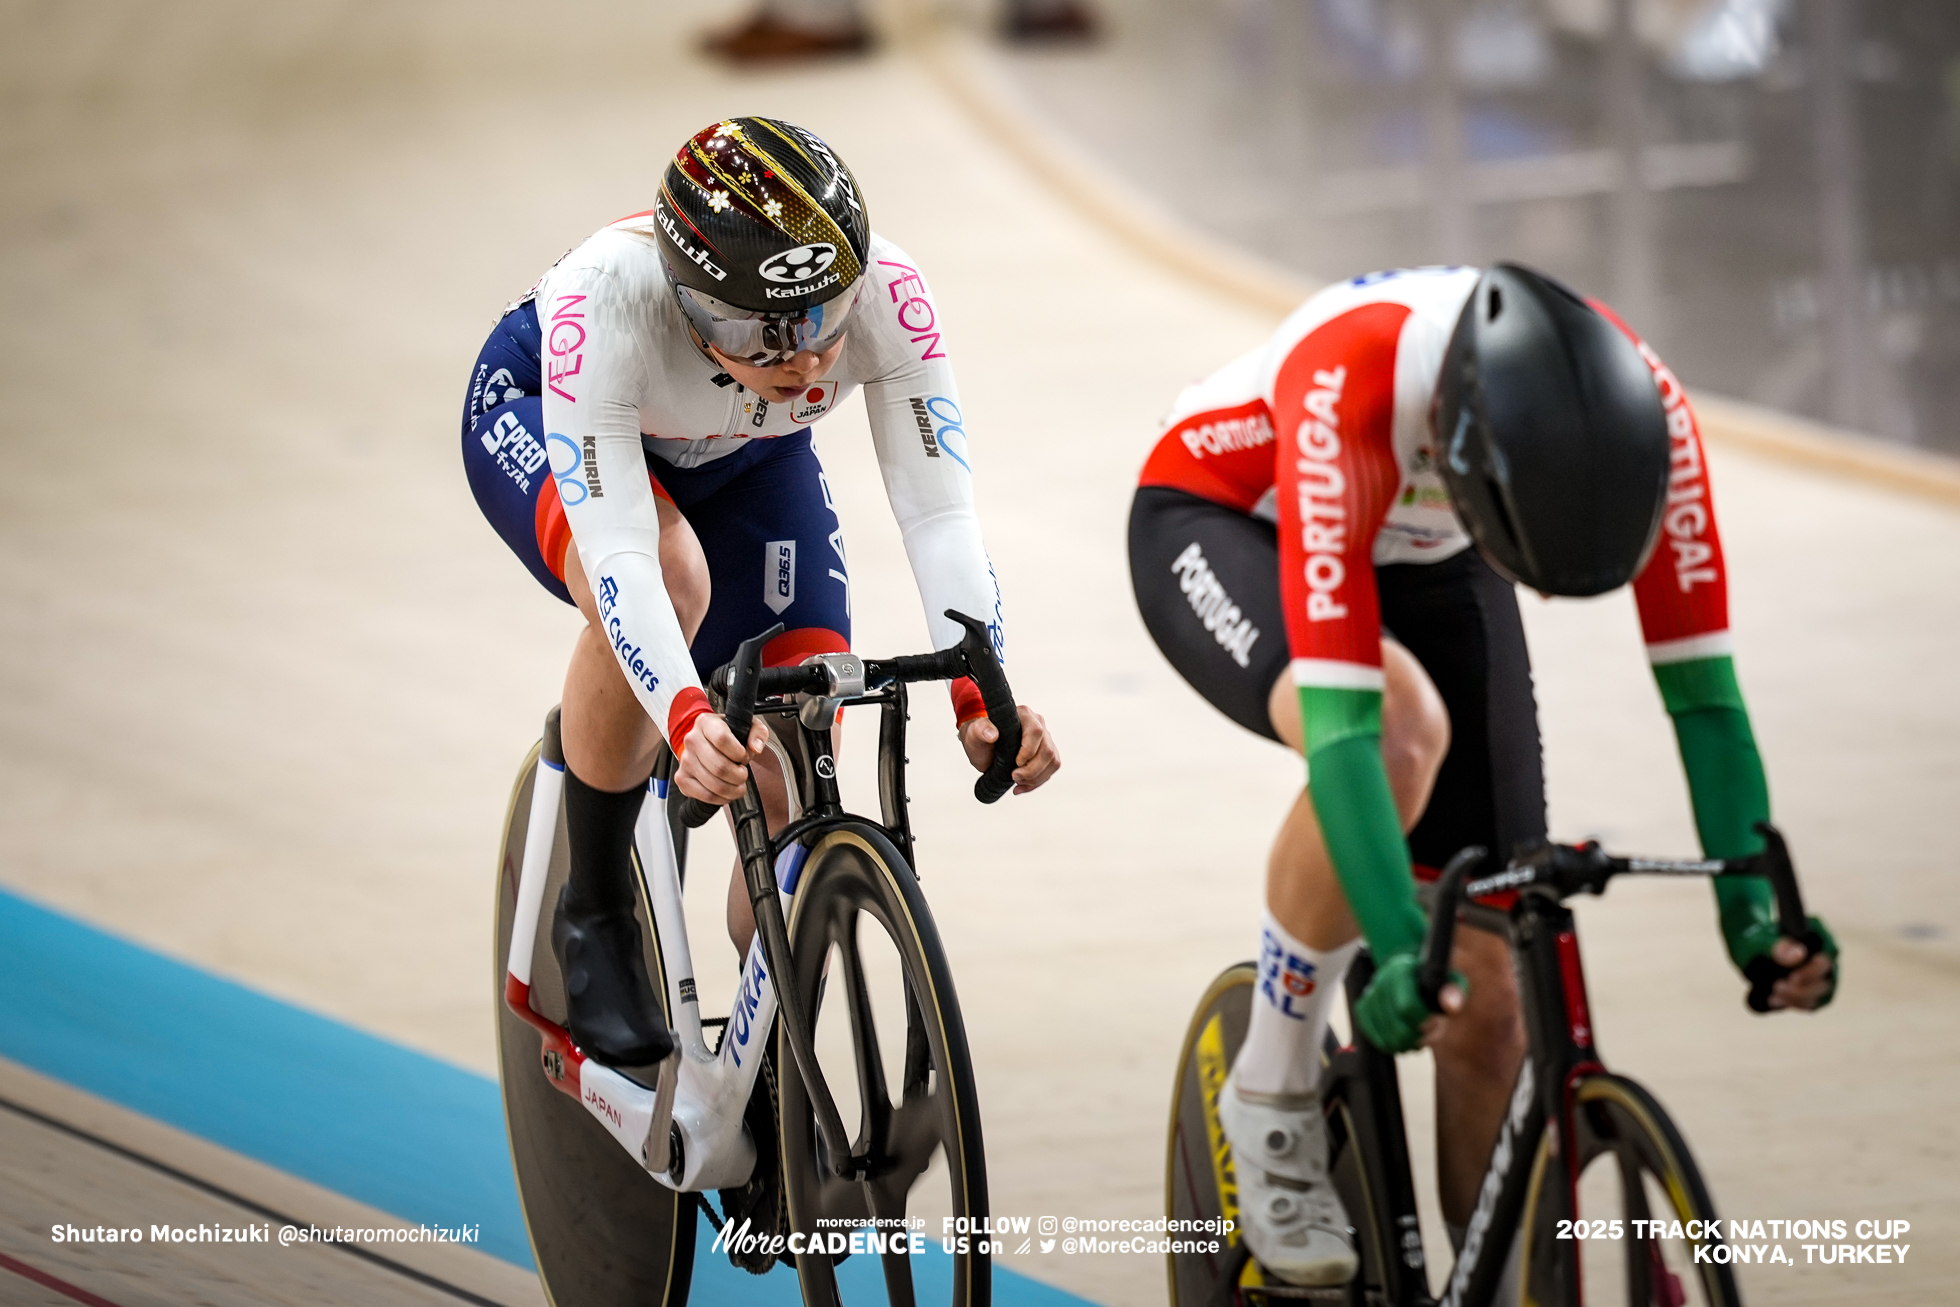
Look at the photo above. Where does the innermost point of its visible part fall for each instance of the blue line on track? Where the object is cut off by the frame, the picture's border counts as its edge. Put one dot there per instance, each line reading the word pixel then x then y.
pixel 381 1123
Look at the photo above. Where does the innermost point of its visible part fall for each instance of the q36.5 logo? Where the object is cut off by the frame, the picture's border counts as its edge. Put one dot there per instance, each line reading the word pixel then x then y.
pixel 798 265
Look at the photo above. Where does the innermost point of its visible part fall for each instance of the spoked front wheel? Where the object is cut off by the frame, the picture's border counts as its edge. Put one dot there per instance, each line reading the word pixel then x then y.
pixel 892 1049
pixel 1625 1232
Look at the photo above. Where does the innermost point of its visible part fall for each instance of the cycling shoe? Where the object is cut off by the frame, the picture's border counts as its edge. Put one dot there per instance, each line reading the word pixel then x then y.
pixel 1293 1222
pixel 611 1009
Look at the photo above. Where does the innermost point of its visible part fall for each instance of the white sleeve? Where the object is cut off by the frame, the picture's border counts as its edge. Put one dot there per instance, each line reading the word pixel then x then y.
pixel 920 436
pixel 593 372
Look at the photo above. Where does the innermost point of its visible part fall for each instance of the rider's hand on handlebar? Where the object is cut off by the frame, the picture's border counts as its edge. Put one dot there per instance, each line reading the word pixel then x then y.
pixel 1812 981
pixel 713 765
pixel 1038 759
pixel 1391 1013
pixel 1810 985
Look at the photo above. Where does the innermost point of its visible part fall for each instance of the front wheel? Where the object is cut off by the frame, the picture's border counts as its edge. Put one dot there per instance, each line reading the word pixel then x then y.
pixel 892 1048
pixel 1618 1227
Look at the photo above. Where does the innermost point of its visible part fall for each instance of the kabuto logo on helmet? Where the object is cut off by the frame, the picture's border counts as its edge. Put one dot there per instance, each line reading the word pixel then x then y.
pixel 673 230
pixel 842 174
pixel 801 264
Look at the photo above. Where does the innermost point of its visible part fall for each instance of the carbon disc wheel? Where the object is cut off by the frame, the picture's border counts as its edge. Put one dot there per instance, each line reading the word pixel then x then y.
pixel 1199 1182
pixel 870 970
pixel 604 1232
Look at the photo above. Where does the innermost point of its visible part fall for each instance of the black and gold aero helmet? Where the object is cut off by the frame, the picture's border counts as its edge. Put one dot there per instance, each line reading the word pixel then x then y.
pixel 1551 436
pixel 765 238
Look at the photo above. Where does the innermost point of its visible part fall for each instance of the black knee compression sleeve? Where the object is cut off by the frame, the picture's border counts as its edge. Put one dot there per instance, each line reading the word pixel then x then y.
pixel 599 831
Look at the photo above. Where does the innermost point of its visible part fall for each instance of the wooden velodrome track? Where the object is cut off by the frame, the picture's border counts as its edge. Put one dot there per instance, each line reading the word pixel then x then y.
pixel 269 674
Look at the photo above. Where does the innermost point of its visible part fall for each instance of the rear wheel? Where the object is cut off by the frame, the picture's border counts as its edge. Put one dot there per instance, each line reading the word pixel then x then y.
pixel 1200 1185
pixel 892 1048
pixel 604 1231
pixel 1633 1168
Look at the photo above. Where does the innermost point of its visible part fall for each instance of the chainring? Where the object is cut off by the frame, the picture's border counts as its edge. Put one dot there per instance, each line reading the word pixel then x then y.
pixel 761 1200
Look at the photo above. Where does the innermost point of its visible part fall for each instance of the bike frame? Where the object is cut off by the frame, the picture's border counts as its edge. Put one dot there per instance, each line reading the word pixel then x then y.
pixel 1552 990
pixel 689 1130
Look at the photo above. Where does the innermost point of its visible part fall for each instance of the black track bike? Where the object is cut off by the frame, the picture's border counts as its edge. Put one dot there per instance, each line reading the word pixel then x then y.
pixel 1588 1172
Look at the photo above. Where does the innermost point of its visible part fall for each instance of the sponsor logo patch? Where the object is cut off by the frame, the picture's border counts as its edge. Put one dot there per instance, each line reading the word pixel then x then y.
pixel 567 461
pixel 489 392
pixel 565 338
pixel 1284 976
pixel 795 292
pixel 1228 436
pixel 516 450
pixel 1323 515
pixel 840 172
pixel 591 462
pixel 632 659
pixel 779 575
pixel 741 1021
pixel 599 1104
pixel 700 257
pixel 924 419
pixel 814 402
pixel 1225 620
pixel 948 425
pixel 800 266
pixel 915 312
pixel 1687 517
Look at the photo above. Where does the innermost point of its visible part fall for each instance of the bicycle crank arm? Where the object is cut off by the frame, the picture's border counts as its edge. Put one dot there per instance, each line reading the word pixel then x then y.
pixel 657 1152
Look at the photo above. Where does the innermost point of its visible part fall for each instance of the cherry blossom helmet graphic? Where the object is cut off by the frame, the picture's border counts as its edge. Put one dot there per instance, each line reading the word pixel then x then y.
pixel 764 234
pixel 1551 436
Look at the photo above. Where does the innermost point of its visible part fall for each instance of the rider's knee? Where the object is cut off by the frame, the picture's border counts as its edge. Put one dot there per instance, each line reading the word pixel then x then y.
pixel 1415 730
pixel 684 569
pixel 1486 1039
pixel 1415 727
pixel 689 589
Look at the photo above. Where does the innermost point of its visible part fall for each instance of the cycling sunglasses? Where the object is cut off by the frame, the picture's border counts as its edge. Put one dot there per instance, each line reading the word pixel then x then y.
pixel 765 339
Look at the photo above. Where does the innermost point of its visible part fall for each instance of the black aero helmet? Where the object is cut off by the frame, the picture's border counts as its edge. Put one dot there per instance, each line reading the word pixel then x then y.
pixel 1551 436
pixel 765 238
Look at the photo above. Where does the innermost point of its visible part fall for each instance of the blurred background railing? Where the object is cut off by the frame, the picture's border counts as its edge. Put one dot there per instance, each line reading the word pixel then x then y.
pixel 1768 189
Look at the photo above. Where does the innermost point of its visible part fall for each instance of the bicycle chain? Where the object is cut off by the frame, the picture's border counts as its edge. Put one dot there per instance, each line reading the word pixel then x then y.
pixel 762 1200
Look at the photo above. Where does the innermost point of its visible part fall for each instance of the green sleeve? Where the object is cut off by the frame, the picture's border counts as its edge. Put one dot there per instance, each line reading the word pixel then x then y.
pixel 1727 787
pixel 1357 815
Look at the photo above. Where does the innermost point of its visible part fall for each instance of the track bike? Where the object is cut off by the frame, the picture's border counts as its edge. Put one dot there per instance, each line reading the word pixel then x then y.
pixel 1588 1172
pixel 614 1165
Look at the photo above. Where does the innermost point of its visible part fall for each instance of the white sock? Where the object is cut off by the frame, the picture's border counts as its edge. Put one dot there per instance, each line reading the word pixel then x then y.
pixel 1297 988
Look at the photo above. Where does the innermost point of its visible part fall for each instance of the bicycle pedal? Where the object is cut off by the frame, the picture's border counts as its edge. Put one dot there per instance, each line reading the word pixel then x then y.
pixel 1257 1291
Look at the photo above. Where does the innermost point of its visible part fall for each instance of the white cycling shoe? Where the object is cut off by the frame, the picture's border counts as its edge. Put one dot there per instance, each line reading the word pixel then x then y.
pixel 1291 1219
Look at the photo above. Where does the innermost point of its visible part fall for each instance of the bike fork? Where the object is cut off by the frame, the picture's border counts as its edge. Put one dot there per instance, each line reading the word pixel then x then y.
pixel 772 933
